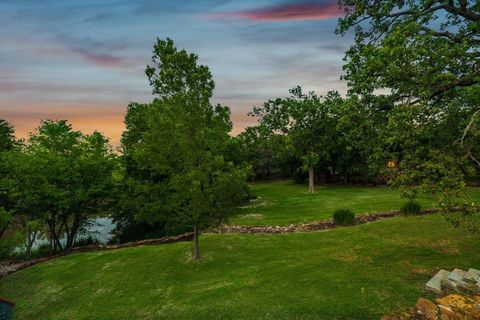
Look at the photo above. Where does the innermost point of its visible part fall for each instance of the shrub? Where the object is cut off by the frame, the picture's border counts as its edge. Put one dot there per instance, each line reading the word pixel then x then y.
pixel 42 250
pixel 344 217
pixel 9 245
pixel 410 208
pixel 86 241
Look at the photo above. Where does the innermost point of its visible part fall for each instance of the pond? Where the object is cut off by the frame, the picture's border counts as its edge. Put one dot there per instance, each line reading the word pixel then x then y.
pixel 99 228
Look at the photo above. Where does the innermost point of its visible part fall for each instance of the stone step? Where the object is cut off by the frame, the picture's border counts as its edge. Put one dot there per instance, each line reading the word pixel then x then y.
pixel 435 284
pixel 467 282
pixel 474 272
pixel 472 279
pixel 457 275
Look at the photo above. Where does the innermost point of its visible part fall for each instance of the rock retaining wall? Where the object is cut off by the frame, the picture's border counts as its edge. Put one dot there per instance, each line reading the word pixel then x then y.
pixel 13 266
pixel 313 226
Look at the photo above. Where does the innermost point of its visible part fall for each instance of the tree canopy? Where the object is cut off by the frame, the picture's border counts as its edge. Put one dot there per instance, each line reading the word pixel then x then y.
pixel 175 145
pixel 420 58
pixel 57 180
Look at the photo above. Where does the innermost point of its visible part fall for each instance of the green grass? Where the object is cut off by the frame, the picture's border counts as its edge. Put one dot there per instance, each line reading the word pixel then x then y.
pixel 359 272
pixel 285 202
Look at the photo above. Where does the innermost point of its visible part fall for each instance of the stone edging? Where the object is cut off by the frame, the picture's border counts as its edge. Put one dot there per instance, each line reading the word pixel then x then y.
pixel 12 267
pixel 313 226
pixel 9 268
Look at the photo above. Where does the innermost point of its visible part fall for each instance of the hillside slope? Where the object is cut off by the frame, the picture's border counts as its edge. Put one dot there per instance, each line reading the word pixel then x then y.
pixel 347 273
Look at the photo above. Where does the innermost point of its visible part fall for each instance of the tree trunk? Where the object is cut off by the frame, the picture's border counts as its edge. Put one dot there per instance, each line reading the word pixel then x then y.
pixel 2 231
pixel 196 246
pixel 31 236
pixel 311 180
pixel 72 233
pixel 52 235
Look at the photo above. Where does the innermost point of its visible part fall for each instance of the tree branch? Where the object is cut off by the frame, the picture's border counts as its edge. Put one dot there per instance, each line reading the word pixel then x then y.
pixel 463 11
pixel 465 132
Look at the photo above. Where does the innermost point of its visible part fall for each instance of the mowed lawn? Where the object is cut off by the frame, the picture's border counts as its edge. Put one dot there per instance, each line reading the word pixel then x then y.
pixel 359 272
pixel 285 202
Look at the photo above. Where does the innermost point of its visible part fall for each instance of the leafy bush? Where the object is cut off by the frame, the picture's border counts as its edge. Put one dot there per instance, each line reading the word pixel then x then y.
pixel 410 208
pixel 344 217
pixel 42 250
pixel 8 245
pixel 86 241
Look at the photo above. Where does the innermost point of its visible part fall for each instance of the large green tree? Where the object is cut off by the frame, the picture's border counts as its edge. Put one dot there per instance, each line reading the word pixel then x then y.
pixel 265 152
pixel 310 123
pixel 174 146
pixel 58 180
pixel 7 143
pixel 422 59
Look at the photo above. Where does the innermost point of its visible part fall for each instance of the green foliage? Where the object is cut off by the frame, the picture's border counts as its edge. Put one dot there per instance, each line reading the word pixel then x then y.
pixel 9 243
pixel 344 217
pixel 176 73
pixel 57 180
pixel 257 148
pixel 5 219
pixel 176 174
pixel 411 208
pixel 308 120
pixel 335 136
pixel 7 136
pixel 41 251
pixel 86 241
pixel 422 55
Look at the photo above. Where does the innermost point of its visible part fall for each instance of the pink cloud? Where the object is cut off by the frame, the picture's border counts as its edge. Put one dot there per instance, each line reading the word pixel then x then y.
pixel 287 12
pixel 105 60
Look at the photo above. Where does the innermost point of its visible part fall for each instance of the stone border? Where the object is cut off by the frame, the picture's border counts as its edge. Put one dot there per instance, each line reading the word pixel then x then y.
pixel 9 268
pixel 313 226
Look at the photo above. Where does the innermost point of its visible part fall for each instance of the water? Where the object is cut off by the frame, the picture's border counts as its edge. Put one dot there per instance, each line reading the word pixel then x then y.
pixel 100 228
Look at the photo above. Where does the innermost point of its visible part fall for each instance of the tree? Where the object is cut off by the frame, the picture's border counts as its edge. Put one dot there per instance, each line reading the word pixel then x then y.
pixel 265 153
pixel 7 143
pixel 7 136
pixel 28 192
pixel 175 146
pixel 308 121
pixel 423 56
pixel 359 152
pixel 59 179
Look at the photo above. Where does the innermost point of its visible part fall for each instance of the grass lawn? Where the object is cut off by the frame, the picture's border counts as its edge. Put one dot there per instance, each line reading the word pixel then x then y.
pixel 285 202
pixel 357 272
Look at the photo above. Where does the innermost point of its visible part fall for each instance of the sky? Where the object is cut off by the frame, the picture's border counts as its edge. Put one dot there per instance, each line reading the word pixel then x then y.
pixel 84 61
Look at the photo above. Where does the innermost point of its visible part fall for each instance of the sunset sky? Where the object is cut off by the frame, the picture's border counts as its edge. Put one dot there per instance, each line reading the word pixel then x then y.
pixel 84 60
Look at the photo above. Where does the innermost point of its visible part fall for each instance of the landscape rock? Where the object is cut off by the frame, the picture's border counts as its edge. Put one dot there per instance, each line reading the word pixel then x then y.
pixel 313 226
pixel 450 307
pixel 467 282
pixel 425 309
pixel 435 284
